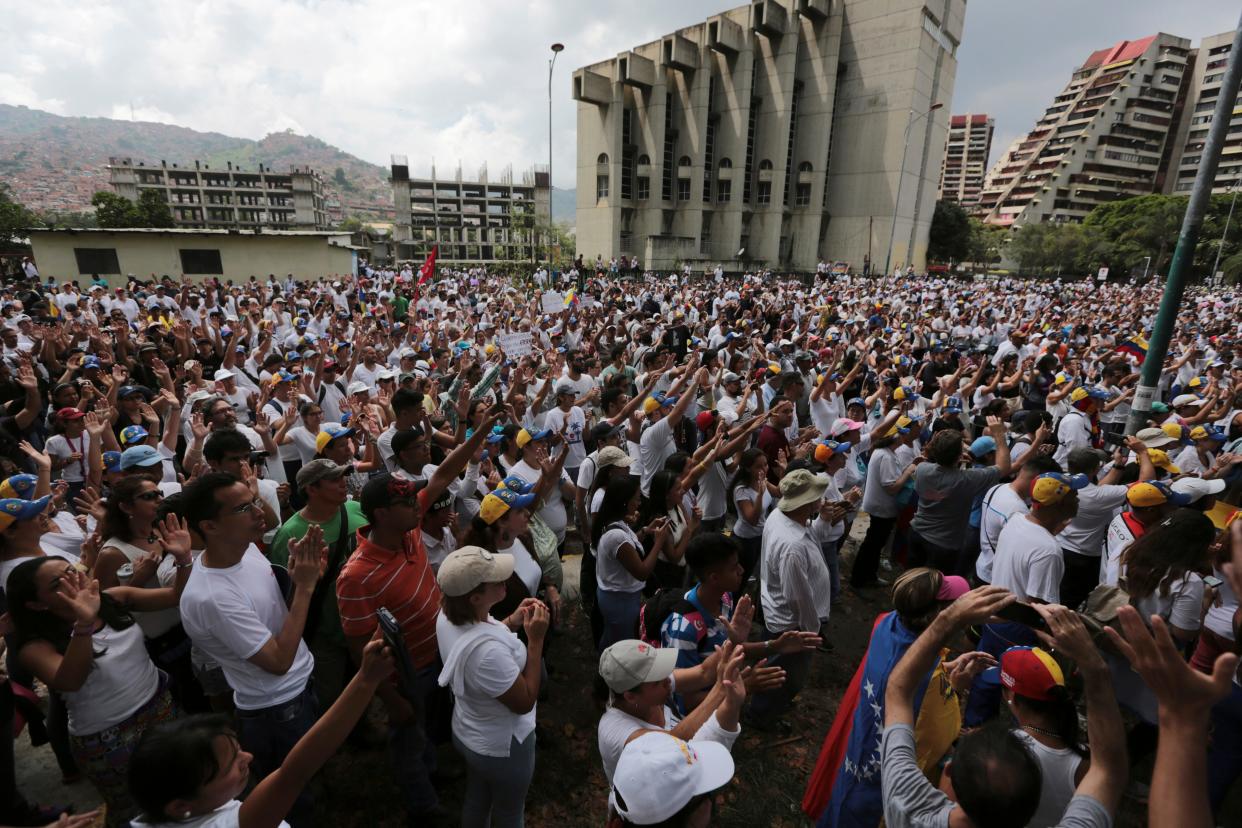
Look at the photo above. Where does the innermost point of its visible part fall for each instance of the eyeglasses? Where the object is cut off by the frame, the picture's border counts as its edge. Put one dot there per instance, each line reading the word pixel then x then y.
pixel 150 496
pixel 246 508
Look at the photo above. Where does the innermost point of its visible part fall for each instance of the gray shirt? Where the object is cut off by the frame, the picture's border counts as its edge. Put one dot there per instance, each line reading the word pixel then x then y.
pixel 946 496
pixel 910 801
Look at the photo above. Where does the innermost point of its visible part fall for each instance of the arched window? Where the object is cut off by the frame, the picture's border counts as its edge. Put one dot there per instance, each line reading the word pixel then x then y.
pixel 765 164
pixel 726 164
pixel 805 166
pixel 601 178
pixel 603 158
pixel 684 161
pixel 644 161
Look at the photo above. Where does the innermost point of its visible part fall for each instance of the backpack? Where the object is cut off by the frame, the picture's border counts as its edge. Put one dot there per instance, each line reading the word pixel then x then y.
pixel 323 390
pixel 656 610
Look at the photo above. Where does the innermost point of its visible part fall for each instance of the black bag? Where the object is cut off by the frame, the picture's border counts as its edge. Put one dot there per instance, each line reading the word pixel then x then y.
pixel 340 551
pixel 656 610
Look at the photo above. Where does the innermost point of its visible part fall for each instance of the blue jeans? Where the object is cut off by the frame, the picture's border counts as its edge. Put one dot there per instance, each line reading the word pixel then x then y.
pixel 1225 748
pixel 496 786
pixel 412 752
pixel 620 612
pixel 270 733
pixel 830 549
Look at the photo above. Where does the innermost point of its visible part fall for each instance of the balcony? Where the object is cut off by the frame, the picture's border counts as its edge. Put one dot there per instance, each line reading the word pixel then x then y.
pixel 725 36
pixel 815 9
pixel 592 87
pixel 680 53
pixel 635 70
pixel 769 18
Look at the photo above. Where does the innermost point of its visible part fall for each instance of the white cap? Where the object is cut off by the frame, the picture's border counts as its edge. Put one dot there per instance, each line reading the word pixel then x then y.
pixel 1185 399
pixel 466 568
pixel 358 387
pixel 627 664
pixel 658 774
pixel 386 374
pixel 1197 487
pixel 222 374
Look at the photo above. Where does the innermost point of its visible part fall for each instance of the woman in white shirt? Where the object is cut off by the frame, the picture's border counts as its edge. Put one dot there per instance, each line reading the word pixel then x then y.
pixel 133 555
pixel 752 498
pixel 622 567
pixel 303 435
pixel 495 683
pixel 84 644
pixel 189 772
pixel 666 500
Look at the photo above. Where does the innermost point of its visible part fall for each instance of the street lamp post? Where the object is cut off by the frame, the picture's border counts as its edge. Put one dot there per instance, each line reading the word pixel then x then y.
pixel 1216 264
pixel 557 48
pixel 901 180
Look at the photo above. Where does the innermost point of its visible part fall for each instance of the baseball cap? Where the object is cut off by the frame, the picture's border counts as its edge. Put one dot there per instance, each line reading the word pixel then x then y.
pixel 1081 393
pixel 1159 408
pixel 858 401
pixel 69 413
pixel 1030 672
pixel 1154 493
pixel 1196 433
pixel 952 587
pixel 129 391
pixel 900 393
pixel 1160 459
pixel 982 445
pixel 321 468
pixel 657 401
pixel 627 664
pixel 1154 437
pixel 499 501
pixel 1051 488
pixel 828 449
pixel 281 376
pixel 658 774
pixel 222 374
pixel 524 436
pixel 902 426
pixel 132 435
pixel 729 376
pixel 843 425
pixel 953 405
pixel 518 484
pixel 604 430
pixel 1061 378
pixel 385 489
pixel 20 486
pixel 357 387
pixel 464 569
pixel 90 362
pixel 327 433
pixel 139 456
pixel 612 456
pixel 1185 399
pixel 1193 487
pixel 704 419
pixel 13 509
pixel 800 487
pixel 112 461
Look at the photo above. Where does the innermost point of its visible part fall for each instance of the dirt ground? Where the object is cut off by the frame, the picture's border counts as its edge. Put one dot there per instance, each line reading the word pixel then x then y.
pixel 356 788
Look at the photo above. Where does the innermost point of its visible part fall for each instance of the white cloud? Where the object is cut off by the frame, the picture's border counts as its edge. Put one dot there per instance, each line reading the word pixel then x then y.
pixel 453 81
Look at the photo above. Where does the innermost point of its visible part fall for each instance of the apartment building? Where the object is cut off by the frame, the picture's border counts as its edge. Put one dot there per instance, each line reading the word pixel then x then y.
pixel 1109 135
pixel 778 133
pixel 479 221
pixel 228 197
pixel 1205 83
pixel 966 159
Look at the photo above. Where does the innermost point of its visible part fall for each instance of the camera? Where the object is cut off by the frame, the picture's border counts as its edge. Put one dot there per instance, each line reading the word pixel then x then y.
pixel 1113 439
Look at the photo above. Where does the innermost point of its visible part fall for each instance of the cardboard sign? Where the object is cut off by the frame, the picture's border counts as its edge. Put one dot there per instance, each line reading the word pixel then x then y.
pixel 516 345
pixel 553 302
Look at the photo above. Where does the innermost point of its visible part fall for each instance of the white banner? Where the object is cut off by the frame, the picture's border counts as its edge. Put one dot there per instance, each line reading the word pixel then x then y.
pixel 516 345
pixel 553 302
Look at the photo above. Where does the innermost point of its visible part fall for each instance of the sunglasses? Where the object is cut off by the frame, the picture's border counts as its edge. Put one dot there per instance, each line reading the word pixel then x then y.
pixel 150 497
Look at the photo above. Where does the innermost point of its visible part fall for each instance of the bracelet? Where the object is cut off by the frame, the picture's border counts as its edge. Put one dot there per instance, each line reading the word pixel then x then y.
pixel 185 565
pixel 79 633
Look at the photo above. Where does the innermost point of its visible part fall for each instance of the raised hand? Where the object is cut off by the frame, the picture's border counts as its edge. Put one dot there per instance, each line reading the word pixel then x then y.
pixel 96 424
pixel 145 568
pixel 978 605
pixel 89 502
pixel 174 535
pixel 199 428
pixel 41 458
pixel 962 670
pixel 536 623
pixel 760 677
pixel 79 593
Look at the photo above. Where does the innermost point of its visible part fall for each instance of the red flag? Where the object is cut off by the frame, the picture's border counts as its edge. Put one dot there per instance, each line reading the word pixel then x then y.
pixel 429 267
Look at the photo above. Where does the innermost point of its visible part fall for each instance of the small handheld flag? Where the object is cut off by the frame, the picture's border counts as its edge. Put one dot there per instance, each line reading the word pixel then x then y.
pixel 429 267
pixel 1135 346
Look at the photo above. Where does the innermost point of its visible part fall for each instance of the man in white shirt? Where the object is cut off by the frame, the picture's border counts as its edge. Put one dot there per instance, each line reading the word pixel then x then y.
pixel 1028 560
pixel 1002 503
pixel 568 420
pixel 664 413
pixel 1075 430
pixel 233 610
pixel 1149 503
pixel 795 586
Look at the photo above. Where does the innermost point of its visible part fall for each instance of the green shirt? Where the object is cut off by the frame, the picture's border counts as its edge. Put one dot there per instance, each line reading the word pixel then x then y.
pixel 400 307
pixel 297 526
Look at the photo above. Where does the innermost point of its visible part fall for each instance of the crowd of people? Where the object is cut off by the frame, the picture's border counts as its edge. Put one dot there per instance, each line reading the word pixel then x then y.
pixel 232 515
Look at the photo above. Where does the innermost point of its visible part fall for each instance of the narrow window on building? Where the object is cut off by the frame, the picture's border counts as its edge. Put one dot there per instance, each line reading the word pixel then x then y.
pixel 601 177
pixel 201 262
pixel 803 196
pixel 724 191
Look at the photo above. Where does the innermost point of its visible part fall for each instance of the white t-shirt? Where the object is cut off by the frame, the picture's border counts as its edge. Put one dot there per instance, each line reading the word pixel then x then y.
pixel 524 565
pixel 556 420
pixel 58 445
pixel 231 614
pixel 119 682
pixel 654 447
pixel 998 506
pixel 226 816
pixel 610 574
pixel 743 528
pixel 480 720
pixel 552 509
pixel 1028 561
pixel 1057 768
pixel 1181 607
pixel 303 441
pixel 616 726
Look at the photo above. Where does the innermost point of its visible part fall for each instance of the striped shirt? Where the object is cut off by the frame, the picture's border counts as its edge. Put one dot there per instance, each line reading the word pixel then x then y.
pixel 401 581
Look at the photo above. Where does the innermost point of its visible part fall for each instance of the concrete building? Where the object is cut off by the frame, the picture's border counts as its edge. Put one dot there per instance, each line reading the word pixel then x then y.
pixel 776 128
pixel 227 254
pixel 1109 135
pixel 201 197
pixel 1200 102
pixel 966 159
pixel 475 222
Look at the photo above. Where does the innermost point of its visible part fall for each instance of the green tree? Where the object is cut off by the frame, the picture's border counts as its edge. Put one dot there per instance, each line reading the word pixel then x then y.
pixel 987 242
pixel 112 210
pixel 1029 247
pixel 153 209
pixel 949 237
pixel 15 219
pixel 1135 228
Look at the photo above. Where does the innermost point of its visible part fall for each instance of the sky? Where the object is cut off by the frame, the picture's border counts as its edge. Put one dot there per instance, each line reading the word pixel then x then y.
pixel 468 82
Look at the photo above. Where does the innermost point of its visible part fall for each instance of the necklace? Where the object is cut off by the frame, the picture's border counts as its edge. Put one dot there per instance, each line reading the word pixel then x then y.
pixel 1050 734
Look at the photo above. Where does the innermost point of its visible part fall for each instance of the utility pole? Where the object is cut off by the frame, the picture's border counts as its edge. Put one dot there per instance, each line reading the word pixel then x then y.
pixel 1233 188
pixel 1183 256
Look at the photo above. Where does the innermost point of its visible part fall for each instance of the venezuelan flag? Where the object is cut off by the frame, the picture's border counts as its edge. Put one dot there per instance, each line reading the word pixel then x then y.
pixel 571 298
pixel 1136 346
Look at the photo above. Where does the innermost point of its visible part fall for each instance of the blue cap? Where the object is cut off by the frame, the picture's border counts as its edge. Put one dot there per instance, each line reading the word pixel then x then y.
pixel 19 486
pixel 856 401
pixel 13 509
pixel 517 484
pixel 130 390
pixel 112 461
pixel 90 362
pixel 953 405
pixel 982 445
pixel 133 435
pixel 139 456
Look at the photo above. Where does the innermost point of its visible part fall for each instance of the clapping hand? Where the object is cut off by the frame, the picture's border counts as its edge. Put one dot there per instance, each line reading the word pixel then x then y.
pixel 79 593
pixel 308 558
pixel 41 458
pixel 738 627
pixel 174 536
pixel 963 670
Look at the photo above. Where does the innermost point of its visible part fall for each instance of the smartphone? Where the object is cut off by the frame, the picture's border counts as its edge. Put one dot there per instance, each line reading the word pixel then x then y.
pixel 391 630
pixel 1212 581
pixel 1023 614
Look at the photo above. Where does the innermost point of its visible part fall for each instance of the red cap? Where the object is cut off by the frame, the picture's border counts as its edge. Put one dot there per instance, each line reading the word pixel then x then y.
pixel 1030 672
pixel 704 420
pixel 69 413
pixel 952 588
